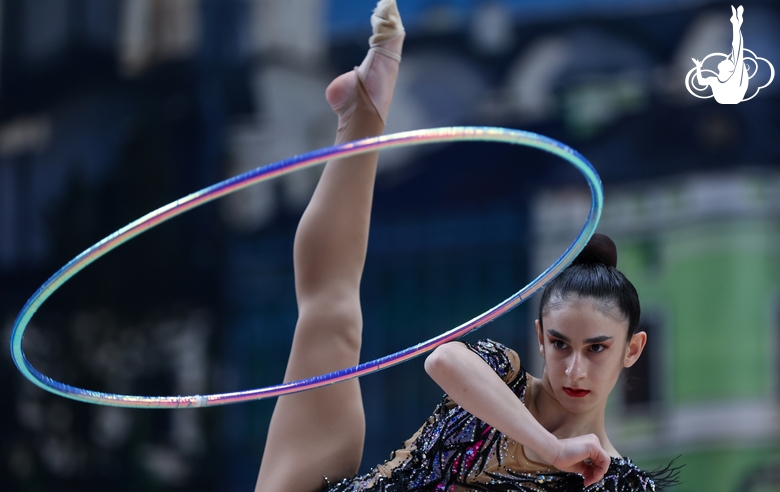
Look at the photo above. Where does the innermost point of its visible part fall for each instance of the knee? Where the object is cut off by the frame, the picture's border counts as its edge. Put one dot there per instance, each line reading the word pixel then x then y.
pixel 337 322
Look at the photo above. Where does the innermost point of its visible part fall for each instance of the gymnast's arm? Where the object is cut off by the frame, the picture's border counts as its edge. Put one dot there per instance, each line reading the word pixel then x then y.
pixel 701 80
pixel 473 385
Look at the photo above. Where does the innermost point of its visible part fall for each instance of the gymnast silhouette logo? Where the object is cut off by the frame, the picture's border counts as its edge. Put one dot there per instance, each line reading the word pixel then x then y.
pixel 730 84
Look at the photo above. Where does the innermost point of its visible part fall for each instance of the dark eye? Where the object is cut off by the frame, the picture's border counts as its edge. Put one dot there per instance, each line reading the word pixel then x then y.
pixel 597 348
pixel 559 344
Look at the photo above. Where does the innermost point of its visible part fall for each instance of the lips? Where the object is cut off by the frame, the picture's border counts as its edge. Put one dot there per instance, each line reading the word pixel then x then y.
pixel 576 392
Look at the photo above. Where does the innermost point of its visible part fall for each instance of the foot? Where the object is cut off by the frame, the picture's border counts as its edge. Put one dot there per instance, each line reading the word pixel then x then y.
pixel 379 69
pixel 736 15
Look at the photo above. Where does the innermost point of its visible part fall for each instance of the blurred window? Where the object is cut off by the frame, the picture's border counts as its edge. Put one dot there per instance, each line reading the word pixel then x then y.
pixel 157 31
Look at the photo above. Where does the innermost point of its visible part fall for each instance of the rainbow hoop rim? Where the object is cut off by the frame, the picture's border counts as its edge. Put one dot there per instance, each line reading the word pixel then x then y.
pixel 417 137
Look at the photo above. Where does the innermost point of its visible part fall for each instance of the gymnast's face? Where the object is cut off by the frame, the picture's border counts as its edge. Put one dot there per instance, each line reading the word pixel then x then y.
pixel 585 348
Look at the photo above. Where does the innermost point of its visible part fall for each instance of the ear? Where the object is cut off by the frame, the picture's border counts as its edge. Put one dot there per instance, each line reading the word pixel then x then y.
pixel 634 348
pixel 540 337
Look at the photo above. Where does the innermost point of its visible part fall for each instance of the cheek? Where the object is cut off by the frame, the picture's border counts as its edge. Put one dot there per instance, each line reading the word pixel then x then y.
pixel 553 355
pixel 609 370
pixel 556 363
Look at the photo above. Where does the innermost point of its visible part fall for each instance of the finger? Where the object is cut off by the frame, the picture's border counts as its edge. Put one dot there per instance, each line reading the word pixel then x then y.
pixel 603 464
pixel 604 458
pixel 596 467
pixel 592 475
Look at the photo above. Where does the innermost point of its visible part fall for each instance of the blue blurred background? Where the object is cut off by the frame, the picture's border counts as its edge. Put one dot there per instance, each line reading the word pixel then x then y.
pixel 112 108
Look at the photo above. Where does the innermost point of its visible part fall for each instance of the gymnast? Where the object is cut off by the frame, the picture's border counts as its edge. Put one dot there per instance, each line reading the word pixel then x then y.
pixel 731 84
pixel 497 428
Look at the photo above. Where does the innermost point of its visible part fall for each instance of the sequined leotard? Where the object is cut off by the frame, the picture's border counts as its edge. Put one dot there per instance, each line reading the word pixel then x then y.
pixel 456 452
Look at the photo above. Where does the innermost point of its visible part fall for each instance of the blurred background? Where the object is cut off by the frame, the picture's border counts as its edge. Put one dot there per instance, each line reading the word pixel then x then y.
pixel 112 108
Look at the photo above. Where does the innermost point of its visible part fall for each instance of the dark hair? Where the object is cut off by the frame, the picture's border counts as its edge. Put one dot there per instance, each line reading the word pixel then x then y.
pixel 594 274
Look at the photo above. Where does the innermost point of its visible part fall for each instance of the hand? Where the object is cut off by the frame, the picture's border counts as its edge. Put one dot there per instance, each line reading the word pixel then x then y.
pixel 583 455
pixel 697 62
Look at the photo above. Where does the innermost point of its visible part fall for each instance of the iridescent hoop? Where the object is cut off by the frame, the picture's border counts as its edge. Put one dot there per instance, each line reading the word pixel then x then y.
pixel 417 137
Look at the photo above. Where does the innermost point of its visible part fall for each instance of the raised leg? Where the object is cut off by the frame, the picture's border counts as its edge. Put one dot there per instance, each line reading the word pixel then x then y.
pixel 736 34
pixel 320 432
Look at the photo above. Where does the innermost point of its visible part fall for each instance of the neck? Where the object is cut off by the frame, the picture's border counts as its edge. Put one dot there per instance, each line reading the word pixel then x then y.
pixel 561 422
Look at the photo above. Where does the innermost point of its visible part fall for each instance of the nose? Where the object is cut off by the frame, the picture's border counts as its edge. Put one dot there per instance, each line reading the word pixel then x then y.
pixel 575 369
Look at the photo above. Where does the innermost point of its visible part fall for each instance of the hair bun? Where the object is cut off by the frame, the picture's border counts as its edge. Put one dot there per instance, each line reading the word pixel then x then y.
pixel 600 249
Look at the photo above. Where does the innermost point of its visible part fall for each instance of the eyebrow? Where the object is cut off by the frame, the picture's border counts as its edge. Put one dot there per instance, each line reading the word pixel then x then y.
pixel 598 339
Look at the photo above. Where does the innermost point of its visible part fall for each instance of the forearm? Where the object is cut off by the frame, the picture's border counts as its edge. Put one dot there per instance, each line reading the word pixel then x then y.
pixel 473 385
pixel 700 80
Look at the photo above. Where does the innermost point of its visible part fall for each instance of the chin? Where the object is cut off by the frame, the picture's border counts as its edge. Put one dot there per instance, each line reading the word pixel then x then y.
pixel 577 408
pixel 578 405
